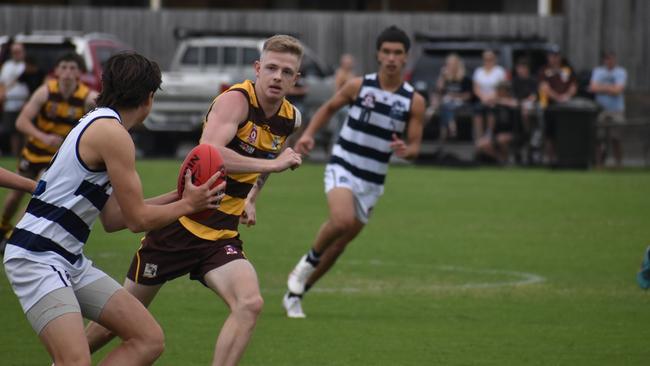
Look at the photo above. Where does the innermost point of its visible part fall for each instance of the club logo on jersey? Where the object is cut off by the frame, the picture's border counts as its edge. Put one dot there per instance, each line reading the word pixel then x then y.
pixel 275 142
pixel 230 250
pixel 252 137
pixel 397 110
pixel 150 270
pixel 368 101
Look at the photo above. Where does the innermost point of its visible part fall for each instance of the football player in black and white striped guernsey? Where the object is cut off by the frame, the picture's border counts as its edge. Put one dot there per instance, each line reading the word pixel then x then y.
pixel 385 117
pixel 93 175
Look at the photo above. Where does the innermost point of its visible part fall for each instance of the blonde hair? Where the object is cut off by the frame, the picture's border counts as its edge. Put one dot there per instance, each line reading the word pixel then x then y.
pixel 460 67
pixel 284 44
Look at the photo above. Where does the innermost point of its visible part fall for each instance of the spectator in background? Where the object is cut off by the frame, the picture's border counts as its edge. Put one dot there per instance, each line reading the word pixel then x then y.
pixel 608 84
pixel 496 145
pixel 557 85
pixel 343 74
pixel 524 89
pixel 33 76
pixel 345 71
pixel 13 94
pixel 485 80
pixel 453 90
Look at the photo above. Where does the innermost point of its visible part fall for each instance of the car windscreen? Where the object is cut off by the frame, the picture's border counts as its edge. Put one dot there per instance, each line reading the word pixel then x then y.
pixel 46 55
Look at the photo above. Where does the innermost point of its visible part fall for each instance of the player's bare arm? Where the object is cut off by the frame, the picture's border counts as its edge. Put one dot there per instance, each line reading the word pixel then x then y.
pixel 107 144
pixel 411 148
pixel 249 216
pixel 15 181
pixel 224 117
pixel 29 112
pixel 113 220
pixel 342 97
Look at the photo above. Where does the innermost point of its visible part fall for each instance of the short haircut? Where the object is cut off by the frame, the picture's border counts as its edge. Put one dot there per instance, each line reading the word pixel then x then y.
pixel 284 44
pixel 394 34
pixel 72 57
pixel 127 80
pixel 609 53
pixel 523 62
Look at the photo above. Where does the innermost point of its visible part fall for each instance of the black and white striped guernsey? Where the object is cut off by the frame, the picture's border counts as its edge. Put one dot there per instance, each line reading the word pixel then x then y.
pixel 363 147
pixel 67 201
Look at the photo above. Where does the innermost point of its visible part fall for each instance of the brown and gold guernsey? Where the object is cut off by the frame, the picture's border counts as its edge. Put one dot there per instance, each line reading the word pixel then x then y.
pixel 57 116
pixel 258 137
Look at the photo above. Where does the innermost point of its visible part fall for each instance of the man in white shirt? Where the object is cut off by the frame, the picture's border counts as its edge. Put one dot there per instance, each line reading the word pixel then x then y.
pixel 485 80
pixel 13 94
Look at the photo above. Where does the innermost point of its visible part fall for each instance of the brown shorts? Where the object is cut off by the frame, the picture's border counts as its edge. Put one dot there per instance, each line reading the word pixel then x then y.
pixel 173 251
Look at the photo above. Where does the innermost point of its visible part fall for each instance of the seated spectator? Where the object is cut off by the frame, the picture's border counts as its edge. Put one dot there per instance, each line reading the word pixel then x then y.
pixel 453 90
pixel 496 143
pixel 524 89
pixel 557 85
pixel 608 84
pixel 485 79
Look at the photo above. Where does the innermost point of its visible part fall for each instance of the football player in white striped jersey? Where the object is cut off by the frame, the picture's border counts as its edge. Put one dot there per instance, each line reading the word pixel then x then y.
pixel 385 118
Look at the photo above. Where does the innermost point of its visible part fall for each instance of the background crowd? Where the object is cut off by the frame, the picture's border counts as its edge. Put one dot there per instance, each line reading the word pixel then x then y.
pixel 514 113
pixel 511 113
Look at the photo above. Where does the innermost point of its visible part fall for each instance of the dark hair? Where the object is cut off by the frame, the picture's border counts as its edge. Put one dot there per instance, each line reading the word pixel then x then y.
pixel 393 34
pixel 523 62
pixel 72 57
pixel 608 53
pixel 127 80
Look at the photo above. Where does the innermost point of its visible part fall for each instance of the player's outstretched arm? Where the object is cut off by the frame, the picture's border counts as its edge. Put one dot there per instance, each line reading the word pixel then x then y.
pixel 107 143
pixel 411 148
pixel 15 181
pixel 227 112
pixel 342 97
pixel 112 218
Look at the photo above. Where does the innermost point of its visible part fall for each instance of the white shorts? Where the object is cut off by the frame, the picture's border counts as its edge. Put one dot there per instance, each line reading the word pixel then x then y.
pixel 365 193
pixel 32 280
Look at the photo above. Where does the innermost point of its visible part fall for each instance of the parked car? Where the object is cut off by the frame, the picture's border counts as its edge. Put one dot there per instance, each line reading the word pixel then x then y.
pixel 47 46
pixel 205 64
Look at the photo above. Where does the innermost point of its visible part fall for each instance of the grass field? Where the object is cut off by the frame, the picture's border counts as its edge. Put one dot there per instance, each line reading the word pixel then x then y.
pixel 457 267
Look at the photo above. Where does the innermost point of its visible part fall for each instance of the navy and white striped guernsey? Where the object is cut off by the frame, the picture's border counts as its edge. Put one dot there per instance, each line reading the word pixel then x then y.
pixel 363 147
pixel 66 203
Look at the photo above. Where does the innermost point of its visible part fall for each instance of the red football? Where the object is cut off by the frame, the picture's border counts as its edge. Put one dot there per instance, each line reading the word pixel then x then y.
pixel 203 161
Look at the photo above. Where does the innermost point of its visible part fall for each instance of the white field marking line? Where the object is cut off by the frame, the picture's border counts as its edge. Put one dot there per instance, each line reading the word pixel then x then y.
pixel 520 278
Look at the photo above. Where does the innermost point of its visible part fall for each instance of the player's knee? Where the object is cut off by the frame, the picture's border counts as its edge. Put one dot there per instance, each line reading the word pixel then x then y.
pixel 150 343
pixel 73 359
pixel 155 342
pixel 252 305
pixel 343 224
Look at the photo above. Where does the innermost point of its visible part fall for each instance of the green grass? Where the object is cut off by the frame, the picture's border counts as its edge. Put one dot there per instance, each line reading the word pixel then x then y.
pixel 435 278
